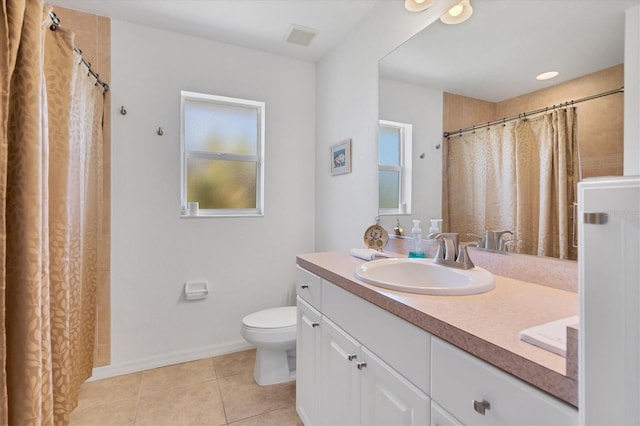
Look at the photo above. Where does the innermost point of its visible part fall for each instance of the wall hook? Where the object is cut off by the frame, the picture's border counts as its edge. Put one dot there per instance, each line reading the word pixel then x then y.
pixel 422 155
pixel 160 131
pixel 123 111
pixel 438 146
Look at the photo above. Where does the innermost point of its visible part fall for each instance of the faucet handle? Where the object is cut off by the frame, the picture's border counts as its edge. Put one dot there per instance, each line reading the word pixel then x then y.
pixel 503 243
pixel 463 257
pixel 479 239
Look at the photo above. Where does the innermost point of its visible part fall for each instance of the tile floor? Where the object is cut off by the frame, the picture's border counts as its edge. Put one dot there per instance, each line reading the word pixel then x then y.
pixel 212 391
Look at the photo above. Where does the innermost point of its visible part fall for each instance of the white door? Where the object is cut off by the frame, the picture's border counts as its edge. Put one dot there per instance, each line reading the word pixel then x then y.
pixel 307 348
pixel 387 397
pixel 340 399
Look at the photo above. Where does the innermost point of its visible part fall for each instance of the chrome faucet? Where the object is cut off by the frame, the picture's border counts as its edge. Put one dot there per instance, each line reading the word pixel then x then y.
pixel 451 253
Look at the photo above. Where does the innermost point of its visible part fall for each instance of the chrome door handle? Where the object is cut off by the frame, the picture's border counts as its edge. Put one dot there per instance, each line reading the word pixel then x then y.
pixel 481 406
pixel 351 357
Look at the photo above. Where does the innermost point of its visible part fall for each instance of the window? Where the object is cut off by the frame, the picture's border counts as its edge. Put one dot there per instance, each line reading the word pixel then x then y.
pixel 222 155
pixel 394 167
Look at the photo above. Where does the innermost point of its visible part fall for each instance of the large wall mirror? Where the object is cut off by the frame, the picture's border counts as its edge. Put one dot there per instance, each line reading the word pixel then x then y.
pixel 450 77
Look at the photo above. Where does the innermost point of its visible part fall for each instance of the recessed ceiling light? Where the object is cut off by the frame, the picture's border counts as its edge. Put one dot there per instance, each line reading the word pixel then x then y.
pixel 418 5
pixel 458 13
pixel 547 75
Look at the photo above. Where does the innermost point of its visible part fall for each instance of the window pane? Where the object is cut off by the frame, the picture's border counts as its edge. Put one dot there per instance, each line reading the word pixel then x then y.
pixel 389 146
pixel 218 127
pixel 389 182
pixel 219 184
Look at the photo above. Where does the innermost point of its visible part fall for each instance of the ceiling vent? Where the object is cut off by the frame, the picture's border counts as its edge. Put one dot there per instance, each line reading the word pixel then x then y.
pixel 300 35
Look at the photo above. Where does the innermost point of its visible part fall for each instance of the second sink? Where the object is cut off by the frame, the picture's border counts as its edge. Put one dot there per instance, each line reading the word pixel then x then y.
pixel 424 277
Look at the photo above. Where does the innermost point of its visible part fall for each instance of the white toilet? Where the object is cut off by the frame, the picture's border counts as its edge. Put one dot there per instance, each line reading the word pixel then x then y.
pixel 273 333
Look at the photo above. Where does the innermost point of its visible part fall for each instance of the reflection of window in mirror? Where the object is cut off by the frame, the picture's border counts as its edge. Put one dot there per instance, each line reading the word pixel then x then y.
pixel 394 167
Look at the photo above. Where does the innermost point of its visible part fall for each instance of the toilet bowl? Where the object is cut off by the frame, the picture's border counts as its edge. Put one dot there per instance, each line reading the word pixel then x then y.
pixel 273 333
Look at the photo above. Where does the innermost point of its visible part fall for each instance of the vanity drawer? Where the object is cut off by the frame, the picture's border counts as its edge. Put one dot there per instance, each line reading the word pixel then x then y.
pixel 309 287
pixel 399 343
pixel 460 379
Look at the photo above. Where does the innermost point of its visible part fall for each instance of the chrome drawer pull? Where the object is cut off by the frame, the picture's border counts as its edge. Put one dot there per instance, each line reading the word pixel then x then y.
pixel 305 286
pixel 481 406
pixel 361 365
pixel 315 324
pixel 351 357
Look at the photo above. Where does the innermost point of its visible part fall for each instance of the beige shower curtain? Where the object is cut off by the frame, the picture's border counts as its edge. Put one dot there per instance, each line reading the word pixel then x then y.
pixel 50 187
pixel 519 176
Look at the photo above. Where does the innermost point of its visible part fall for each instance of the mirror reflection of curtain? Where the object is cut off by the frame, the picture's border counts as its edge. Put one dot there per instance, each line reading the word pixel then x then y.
pixel 50 187
pixel 519 176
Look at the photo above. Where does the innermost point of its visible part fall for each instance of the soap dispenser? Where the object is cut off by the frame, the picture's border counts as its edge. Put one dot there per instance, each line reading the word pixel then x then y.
pixel 435 227
pixel 417 249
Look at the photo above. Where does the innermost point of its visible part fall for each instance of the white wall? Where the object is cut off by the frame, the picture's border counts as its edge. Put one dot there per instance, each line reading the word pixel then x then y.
pixel 249 262
pixel 422 108
pixel 347 107
pixel 632 92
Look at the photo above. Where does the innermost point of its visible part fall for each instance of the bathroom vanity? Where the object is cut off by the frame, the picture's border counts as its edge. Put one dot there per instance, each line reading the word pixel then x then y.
pixel 366 355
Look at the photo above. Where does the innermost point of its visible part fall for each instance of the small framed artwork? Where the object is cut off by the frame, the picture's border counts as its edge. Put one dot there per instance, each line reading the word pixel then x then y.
pixel 341 158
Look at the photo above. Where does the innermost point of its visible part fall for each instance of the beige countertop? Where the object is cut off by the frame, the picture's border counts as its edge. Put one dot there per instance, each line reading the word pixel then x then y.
pixel 485 325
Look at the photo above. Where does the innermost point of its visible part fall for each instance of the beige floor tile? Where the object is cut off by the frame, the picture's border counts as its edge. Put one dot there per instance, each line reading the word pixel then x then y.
pixel 281 417
pixel 194 404
pixel 109 390
pixel 186 373
pixel 235 363
pixel 243 398
pixel 116 413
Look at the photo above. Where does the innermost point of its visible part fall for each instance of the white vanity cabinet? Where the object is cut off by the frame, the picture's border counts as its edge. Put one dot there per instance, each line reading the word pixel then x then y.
pixel 475 392
pixel 360 364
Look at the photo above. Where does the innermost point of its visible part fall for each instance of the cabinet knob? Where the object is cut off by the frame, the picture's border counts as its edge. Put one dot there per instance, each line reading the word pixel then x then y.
pixel 315 324
pixel 305 286
pixel 351 357
pixel 361 365
pixel 481 406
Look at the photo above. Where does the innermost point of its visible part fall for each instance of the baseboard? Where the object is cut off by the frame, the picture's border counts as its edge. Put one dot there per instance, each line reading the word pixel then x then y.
pixel 168 359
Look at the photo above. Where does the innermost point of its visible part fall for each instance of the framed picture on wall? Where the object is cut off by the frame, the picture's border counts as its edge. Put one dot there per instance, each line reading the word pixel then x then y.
pixel 341 158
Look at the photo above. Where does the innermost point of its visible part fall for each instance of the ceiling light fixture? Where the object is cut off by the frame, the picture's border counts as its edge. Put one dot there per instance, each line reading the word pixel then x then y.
pixel 418 5
pixel 547 75
pixel 458 13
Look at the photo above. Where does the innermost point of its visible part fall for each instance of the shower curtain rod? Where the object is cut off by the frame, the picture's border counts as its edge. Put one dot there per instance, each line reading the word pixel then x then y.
pixel 526 114
pixel 54 26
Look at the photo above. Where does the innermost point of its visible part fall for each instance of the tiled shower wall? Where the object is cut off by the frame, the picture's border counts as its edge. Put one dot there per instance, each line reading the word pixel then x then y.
pixel 93 36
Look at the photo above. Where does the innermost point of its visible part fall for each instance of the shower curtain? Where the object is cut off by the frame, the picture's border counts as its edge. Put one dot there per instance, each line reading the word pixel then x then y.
pixel 50 194
pixel 519 176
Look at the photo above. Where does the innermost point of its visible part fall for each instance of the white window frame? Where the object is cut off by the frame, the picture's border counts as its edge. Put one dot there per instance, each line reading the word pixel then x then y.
pixel 258 158
pixel 406 150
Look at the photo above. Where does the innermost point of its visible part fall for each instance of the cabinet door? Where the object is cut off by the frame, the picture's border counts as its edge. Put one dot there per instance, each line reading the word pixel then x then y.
pixel 340 399
pixel 307 349
pixel 387 397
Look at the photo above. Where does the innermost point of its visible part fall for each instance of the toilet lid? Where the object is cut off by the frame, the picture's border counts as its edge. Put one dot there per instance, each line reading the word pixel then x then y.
pixel 272 318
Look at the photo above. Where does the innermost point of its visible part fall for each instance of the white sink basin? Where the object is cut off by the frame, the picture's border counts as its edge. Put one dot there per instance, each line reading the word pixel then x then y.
pixel 424 277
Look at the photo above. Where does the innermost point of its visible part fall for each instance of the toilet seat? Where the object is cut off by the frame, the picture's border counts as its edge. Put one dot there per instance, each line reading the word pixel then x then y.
pixel 283 318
